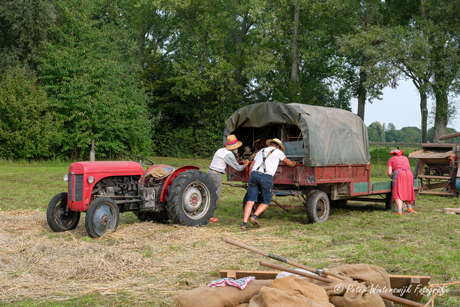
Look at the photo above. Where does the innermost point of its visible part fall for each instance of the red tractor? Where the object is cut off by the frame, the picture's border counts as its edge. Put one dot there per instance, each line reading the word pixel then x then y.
pixel 103 189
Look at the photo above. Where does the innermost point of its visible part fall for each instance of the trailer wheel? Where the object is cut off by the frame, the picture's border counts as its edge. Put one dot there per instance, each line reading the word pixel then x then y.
pixel 152 216
pixel 102 216
pixel 59 216
pixel 191 198
pixel 317 207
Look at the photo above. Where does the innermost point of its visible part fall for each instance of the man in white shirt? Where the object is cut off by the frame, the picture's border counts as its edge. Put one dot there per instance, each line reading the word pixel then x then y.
pixel 265 165
pixel 223 157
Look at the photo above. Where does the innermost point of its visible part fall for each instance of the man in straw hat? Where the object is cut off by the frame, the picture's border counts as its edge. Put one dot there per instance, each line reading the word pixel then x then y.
pixel 223 157
pixel 265 165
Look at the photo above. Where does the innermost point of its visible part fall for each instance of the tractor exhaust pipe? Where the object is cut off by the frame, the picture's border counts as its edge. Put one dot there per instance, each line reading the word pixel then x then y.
pixel 92 153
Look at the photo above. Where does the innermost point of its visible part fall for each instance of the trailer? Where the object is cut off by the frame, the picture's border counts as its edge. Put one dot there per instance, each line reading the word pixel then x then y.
pixel 330 146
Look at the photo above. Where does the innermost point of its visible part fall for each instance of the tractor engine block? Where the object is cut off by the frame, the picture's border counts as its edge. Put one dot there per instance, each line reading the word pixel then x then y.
pixel 117 186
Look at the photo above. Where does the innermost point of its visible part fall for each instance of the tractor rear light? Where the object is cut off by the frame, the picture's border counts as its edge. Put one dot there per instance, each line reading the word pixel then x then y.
pixel 66 178
pixel 90 179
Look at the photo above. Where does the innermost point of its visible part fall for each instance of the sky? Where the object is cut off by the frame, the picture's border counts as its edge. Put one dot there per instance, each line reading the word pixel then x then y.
pixel 400 106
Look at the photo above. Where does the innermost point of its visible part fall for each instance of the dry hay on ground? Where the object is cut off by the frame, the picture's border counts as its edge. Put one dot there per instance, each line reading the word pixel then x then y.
pixel 145 259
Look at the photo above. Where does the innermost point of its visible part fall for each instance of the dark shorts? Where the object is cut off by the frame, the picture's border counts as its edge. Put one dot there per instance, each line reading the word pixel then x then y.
pixel 262 183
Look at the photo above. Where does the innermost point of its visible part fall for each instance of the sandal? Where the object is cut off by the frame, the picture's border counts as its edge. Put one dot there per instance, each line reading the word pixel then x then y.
pixel 254 222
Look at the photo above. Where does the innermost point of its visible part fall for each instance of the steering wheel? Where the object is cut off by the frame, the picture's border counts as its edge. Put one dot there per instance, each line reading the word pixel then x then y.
pixel 140 160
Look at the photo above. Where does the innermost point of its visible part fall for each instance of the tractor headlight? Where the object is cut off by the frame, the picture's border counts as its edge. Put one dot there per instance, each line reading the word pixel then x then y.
pixel 91 179
pixel 66 177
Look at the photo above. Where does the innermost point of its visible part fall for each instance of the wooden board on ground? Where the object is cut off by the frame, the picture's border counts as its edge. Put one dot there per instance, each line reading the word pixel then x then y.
pixel 411 287
pixel 449 210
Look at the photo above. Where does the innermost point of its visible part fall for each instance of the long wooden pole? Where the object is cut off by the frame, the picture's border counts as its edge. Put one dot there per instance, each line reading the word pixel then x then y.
pixel 449 136
pixel 279 258
pixel 269 255
pixel 390 297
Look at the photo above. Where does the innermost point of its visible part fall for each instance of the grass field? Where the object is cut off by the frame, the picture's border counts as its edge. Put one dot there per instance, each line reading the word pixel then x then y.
pixel 145 264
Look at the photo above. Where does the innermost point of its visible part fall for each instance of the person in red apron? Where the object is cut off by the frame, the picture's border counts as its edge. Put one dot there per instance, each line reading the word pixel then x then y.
pixel 403 181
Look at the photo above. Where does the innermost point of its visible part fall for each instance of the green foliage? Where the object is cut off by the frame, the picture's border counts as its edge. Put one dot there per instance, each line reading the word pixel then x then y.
pixel 378 133
pixel 163 76
pixel 23 27
pixel 91 85
pixel 28 129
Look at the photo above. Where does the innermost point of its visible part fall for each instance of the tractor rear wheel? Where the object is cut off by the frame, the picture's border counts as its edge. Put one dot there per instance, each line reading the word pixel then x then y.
pixel 102 216
pixel 59 216
pixel 317 207
pixel 191 198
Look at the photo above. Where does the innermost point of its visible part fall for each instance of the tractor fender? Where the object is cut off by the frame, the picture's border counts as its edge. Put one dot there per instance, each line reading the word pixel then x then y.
pixel 170 179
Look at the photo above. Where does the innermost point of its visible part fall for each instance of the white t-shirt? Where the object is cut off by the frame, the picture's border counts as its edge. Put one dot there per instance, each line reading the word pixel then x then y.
pixel 221 158
pixel 271 163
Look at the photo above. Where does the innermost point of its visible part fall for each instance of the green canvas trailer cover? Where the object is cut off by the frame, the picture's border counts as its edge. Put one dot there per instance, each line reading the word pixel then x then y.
pixel 327 136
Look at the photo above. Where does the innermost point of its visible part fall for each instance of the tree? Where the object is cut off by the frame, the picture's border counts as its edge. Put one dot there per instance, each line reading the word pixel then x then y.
pixel 373 134
pixel 407 50
pixel 28 129
pixel 23 27
pixel 303 38
pixel 90 81
pixel 367 74
pixel 380 129
pixel 411 134
pixel 218 64
pixel 424 47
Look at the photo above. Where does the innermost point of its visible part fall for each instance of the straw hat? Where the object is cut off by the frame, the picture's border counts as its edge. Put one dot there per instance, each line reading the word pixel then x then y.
pixel 275 140
pixel 232 142
pixel 397 152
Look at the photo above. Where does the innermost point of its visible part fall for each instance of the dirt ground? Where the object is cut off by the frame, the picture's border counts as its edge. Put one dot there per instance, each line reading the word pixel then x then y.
pixel 146 259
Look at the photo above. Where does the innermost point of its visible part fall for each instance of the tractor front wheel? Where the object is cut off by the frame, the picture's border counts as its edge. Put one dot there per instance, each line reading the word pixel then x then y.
pixel 59 216
pixel 317 207
pixel 102 216
pixel 191 198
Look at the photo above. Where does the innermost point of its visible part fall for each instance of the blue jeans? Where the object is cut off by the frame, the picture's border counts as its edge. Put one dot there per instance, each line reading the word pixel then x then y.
pixel 262 183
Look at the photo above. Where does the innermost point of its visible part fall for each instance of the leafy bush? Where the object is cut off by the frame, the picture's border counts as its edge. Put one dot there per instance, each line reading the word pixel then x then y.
pixel 28 129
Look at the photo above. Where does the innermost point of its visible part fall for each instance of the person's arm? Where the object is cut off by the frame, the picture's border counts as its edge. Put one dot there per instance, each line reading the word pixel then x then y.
pixel 390 171
pixel 231 160
pixel 289 162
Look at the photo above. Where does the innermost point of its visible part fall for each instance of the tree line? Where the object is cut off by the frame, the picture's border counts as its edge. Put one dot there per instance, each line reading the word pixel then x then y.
pixel 161 77
pixel 379 132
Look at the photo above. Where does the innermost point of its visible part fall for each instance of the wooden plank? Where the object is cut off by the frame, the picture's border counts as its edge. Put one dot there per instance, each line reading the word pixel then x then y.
pixel 449 210
pixel 431 155
pixel 454 210
pixel 415 153
pixel 240 274
pixel 360 187
pixel 427 192
pixel 438 145
pixel 380 186
pixel 435 177
pixel 437 185
pixel 411 286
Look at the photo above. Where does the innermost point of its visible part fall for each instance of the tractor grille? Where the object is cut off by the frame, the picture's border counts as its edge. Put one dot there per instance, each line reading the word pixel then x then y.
pixel 70 187
pixel 76 187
